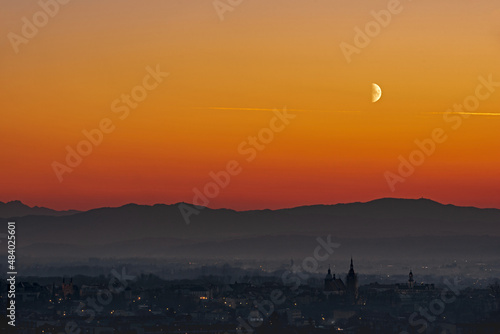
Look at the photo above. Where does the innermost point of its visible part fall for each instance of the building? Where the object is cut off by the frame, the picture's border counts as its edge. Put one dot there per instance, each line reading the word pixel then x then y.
pixel 68 289
pixel 411 281
pixel 333 285
pixel 352 285
pixel 411 287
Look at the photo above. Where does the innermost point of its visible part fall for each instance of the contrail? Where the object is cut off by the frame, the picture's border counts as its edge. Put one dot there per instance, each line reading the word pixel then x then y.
pixel 468 113
pixel 267 109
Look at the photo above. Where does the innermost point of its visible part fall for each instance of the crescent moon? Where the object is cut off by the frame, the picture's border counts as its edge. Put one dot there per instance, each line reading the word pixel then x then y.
pixel 376 92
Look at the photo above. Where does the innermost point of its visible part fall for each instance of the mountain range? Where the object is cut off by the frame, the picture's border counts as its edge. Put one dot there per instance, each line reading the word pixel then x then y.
pixel 18 209
pixel 377 228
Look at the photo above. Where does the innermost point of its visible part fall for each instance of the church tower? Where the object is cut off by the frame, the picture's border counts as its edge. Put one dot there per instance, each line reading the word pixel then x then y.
pixel 411 282
pixel 352 285
pixel 67 289
pixel 329 279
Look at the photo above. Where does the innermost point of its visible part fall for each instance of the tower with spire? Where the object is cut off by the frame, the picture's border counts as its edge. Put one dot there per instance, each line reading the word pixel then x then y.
pixel 332 284
pixel 411 281
pixel 352 285
pixel 328 281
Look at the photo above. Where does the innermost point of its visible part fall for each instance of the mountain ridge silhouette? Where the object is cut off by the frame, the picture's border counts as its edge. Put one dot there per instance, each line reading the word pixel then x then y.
pixel 379 218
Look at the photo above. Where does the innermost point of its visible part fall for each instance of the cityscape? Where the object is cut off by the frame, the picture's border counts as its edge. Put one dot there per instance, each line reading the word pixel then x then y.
pixel 124 303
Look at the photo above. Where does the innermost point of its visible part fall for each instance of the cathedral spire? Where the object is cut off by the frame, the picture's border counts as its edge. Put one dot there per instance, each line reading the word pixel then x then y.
pixel 352 284
pixel 411 281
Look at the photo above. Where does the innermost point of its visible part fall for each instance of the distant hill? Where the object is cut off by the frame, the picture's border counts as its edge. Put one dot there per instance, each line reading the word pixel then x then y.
pixel 18 209
pixel 381 218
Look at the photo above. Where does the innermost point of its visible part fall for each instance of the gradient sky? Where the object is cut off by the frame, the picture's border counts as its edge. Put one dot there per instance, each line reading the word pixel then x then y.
pixel 263 55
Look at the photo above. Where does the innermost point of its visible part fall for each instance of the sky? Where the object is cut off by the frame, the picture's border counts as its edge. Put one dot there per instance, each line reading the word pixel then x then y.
pixel 228 69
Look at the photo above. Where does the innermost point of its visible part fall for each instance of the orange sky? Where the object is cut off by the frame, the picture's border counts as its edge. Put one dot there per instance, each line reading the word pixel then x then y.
pixel 263 55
